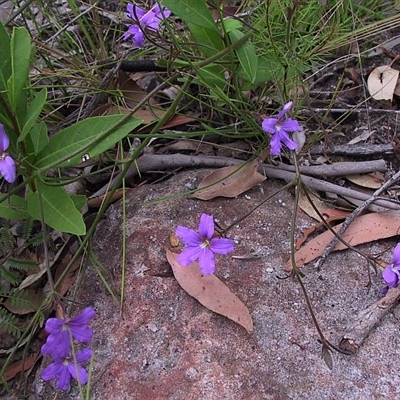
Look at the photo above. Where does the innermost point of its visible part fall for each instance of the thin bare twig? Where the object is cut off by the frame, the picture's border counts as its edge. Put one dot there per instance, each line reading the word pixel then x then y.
pixel 357 331
pixel 353 216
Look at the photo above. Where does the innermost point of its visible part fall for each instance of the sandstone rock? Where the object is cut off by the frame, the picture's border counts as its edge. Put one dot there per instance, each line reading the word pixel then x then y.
pixel 165 345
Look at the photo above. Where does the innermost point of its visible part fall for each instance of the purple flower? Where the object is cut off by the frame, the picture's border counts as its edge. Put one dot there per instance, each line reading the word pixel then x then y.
pixel 391 274
pixel 202 245
pixel 58 343
pixel 64 367
pixel 279 129
pixel 144 20
pixel 7 164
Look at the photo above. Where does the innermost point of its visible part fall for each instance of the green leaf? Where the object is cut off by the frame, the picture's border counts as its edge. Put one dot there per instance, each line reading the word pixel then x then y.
pixel 33 113
pixel 13 207
pixel 5 59
pixel 20 63
pixel 79 201
pixel 193 12
pixel 230 24
pixel 37 138
pixel 246 55
pixel 89 136
pixel 212 75
pixel 209 41
pixel 58 208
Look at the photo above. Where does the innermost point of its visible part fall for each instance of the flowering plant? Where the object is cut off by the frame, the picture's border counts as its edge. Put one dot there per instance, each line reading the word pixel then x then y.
pixel 391 274
pixel 7 164
pixel 58 345
pixel 201 245
pixel 280 128
pixel 144 20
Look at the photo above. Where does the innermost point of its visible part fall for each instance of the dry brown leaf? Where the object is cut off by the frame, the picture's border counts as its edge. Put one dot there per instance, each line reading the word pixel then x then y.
pixel 382 82
pixel 306 206
pixel 364 229
pixel 371 181
pixel 21 365
pixel 210 292
pixel 31 295
pixel 330 215
pixel 230 181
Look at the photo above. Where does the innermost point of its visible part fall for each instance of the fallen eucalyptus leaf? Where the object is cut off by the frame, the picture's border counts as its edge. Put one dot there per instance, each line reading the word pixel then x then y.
pixel 364 229
pixel 211 292
pixel 230 181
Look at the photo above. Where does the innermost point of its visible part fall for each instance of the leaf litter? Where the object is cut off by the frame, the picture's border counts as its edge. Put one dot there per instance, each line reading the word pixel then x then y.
pixel 364 229
pixel 211 292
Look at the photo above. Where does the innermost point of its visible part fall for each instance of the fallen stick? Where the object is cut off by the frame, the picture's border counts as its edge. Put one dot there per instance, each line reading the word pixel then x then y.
pixel 339 168
pixel 367 203
pixel 157 162
pixel 360 150
pixel 358 330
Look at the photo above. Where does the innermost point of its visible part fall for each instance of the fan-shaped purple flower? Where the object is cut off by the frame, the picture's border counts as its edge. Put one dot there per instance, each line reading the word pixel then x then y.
pixel 391 274
pixel 280 128
pixel 58 343
pixel 7 165
pixel 63 368
pixel 144 20
pixel 202 246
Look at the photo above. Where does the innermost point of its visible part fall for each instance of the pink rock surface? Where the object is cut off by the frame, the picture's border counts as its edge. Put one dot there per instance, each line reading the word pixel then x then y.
pixel 165 345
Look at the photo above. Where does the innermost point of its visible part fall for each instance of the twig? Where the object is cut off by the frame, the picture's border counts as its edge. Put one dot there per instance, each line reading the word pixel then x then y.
pixel 351 110
pixel 364 322
pixel 352 217
pixel 339 168
pixel 361 150
pixel 157 162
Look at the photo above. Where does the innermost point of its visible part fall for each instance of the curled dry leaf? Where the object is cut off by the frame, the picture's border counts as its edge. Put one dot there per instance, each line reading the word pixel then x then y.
pixel 30 301
pixel 21 365
pixel 330 215
pixel 211 292
pixel 230 181
pixel 370 181
pixel 306 206
pixel 382 82
pixel 364 229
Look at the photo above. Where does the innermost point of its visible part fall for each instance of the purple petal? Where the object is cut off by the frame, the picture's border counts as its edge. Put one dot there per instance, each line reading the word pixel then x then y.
pixel 52 370
pixel 4 140
pixel 83 355
pixel 153 25
pixel 166 13
pixel 64 378
pixel 78 372
pixel 148 18
pixel 160 15
pixel 290 125
pixel 82 334
pixel 222 245
pixel 54 325
pixel 131 32
pixel 138 39
pixel 189 255
pixel 188 236
pixel 8 169
pixel 284 138
pixel 83 318
pixel 390 277
pixel 57 345
pixel 206 262
pixel 285 109
pixel 269 125
pixel 276 145
pixel 135 12
pixel 206 226
pixel 396 256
